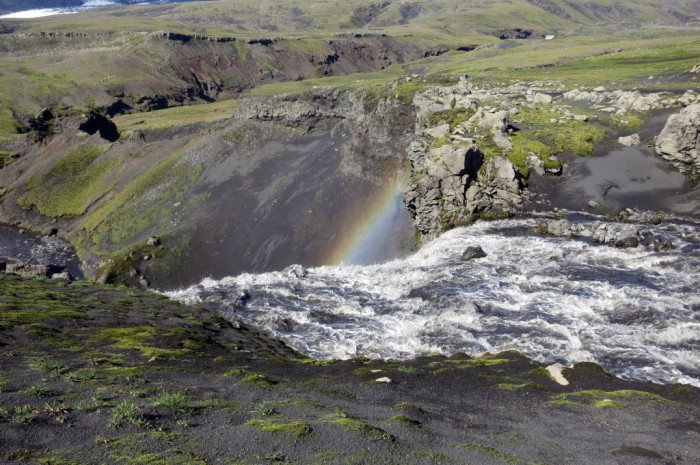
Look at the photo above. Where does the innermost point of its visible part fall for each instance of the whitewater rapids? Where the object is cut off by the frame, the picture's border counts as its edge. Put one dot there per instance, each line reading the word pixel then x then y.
pixel 634 311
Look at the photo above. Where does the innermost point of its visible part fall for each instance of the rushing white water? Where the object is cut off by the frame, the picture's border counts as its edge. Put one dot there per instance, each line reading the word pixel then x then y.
pixel 634 311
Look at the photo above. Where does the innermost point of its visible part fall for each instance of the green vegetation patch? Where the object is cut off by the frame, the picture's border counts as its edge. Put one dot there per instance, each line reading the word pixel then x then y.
pixel 148 340
pixel 23 303
pixel 145 203
pixel 608 399
pixel 350 423
pixel 72 184
pixel 629 121
pixel 577 137
pixel 297 428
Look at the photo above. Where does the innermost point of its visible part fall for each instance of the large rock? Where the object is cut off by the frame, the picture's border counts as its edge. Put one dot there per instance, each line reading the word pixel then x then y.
pixel 26 270
pixel 559 227
pixel 629 141
pixel 473 252
pixel 679 140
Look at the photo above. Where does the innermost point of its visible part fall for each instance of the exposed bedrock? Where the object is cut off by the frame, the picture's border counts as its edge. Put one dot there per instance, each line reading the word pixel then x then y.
pixel 679 141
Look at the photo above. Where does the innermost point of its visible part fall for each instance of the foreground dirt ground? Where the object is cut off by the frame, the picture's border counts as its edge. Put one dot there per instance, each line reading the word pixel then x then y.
pixel 104 375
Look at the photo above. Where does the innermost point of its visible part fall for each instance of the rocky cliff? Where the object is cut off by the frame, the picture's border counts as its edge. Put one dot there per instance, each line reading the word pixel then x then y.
pixel 679 141
pixel 476 147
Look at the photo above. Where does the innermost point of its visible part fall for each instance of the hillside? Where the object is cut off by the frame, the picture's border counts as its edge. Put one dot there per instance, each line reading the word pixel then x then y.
pixel 115 117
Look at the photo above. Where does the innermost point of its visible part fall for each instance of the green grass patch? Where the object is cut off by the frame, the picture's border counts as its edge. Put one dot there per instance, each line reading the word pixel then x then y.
pixel 148 340
pixel 257 379
pixel 76 180
pixel 297 428
pixel 143 205
pixel 183 115
pixel 612 399
pixel 349 423
pixel 405 420
pixel 126 412
pixel 630 121
pixel 544 138
pixel 175 401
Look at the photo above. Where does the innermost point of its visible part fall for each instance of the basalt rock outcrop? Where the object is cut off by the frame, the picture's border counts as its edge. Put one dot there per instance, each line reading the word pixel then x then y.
pixel 679 141
pixel 461 168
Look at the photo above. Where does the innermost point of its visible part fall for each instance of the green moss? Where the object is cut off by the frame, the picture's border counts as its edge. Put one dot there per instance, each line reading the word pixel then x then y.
pixel 76 180
pixel 148 340
pixel 615 399
pixel 296 428
pixel 405 420
pixel 350 423
pixel 453 117
pixel 257 379
pixel 630 121
pixel 607 403
pixel 519 386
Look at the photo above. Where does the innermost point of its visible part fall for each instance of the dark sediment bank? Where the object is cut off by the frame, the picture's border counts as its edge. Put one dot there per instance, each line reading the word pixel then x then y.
pixel 102 375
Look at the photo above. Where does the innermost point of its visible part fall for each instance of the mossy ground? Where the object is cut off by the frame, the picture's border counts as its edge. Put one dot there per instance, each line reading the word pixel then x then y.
pixel 101 374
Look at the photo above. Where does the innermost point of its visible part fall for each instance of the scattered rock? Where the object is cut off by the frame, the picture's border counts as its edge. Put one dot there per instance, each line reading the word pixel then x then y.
pixel 438 131
pixel 559 227
pixel 64 276
pixel 629 141
pixel 153 241
pixel 535 163
pixel 629 242
pixel 26 270
pixel 593 204
pixel 473 252
pixel 556 372
pixel 541 98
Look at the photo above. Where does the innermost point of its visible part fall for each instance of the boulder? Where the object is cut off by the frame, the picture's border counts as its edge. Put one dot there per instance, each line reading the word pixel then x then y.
pixel 438 131
pixel 629 141
pixel 27 271
pixel 559 227
pixel 153 241
pixel 679 140
pixel 613 233
pixel 627 242
pixel 535 163
pixel 473 252
pixel 541 98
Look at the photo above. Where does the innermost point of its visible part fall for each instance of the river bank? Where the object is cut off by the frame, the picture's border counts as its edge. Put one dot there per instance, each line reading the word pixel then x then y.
pixel 123 376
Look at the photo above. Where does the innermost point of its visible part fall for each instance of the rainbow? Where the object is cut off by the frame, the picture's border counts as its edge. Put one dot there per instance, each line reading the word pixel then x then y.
pixel 362 243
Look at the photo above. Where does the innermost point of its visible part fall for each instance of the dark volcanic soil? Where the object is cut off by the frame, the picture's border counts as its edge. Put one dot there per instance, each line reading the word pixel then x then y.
pixel 93 374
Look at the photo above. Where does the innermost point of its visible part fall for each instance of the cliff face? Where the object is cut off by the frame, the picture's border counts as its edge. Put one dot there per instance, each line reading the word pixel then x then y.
pixel 135 72
pixel 284 179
